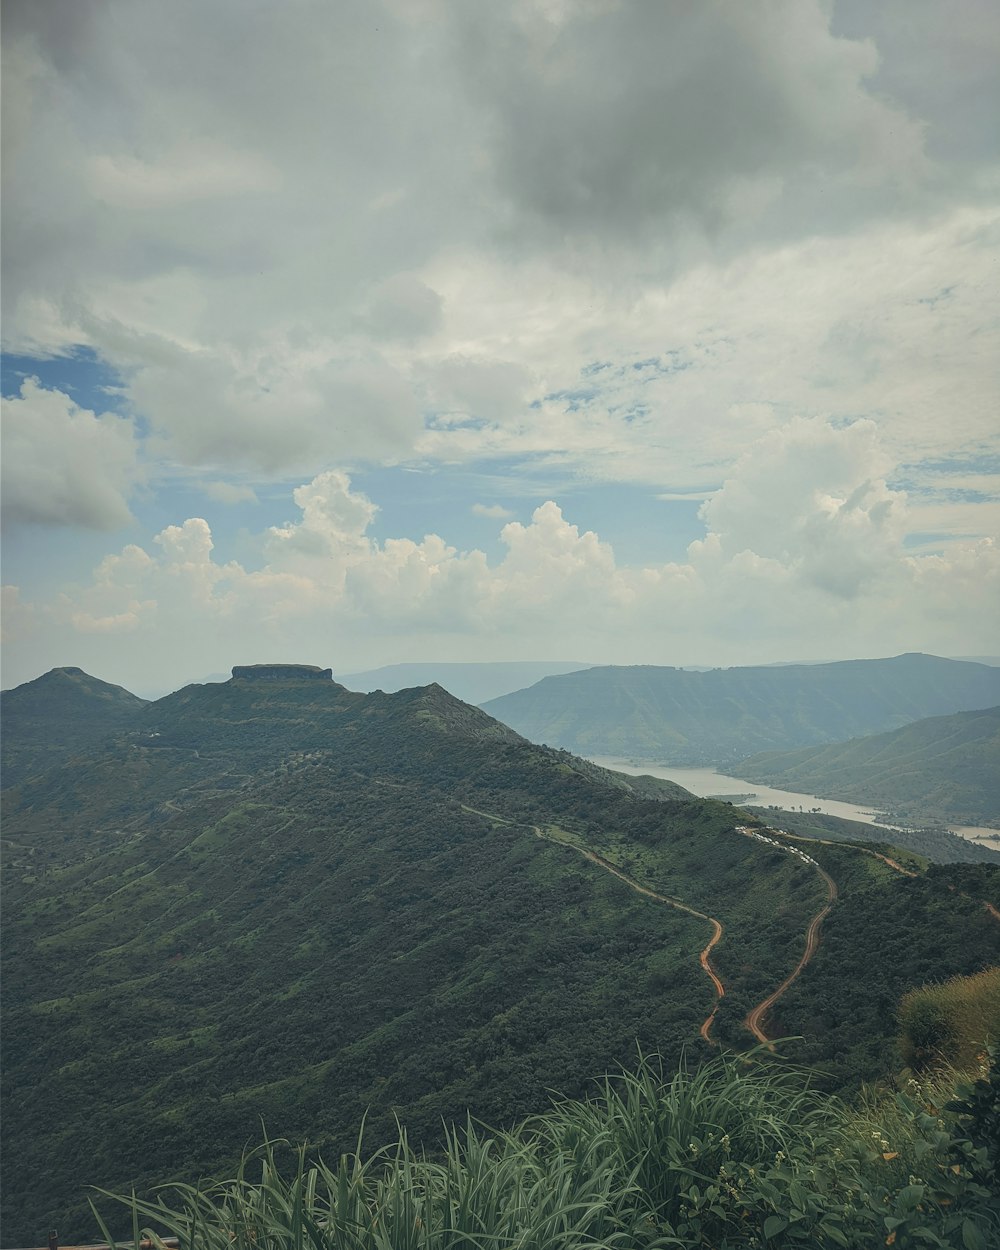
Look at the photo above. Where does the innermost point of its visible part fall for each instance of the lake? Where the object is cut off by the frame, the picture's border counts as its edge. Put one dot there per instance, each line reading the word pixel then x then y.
pixel 706 781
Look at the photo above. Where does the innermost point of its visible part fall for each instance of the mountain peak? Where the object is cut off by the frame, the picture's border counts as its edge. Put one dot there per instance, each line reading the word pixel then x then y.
pixel 68 681
pixel 62 712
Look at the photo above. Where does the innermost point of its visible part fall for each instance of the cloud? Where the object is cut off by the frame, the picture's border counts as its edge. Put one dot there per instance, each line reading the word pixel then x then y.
pixel 616 119
pixel 926 39
pixel 230 492
pixel 65 465
pixel 294 264
pixel 274 409
pixel 688 246
pixel 496 511
pixel 333 525
pixel 804 556
pixel 403 307
pixel 814 499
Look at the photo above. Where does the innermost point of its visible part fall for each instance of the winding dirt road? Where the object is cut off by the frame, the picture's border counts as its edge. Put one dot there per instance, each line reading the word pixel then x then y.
pixel 755 1017
pixel 704 957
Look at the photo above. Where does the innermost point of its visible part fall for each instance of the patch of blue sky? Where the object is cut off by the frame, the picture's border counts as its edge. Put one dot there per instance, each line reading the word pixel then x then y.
pixel 455 421
pixel 81 374
pixel 929 490
pixel 839 421
pixel 985 462
pixel 414 501
pixel 37 557
pixel 573 399
pixel 959 494
pixel 642 528
pixel 607 372
pixel 931 541
pixel 672 361
pixel 634 412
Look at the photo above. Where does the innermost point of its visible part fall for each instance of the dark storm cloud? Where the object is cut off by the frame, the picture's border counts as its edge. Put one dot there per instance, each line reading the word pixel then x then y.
pixel 619 117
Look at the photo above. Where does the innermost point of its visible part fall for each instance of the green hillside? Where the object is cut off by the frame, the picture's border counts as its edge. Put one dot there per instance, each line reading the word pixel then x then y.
pixel 719 717
pixel 945 768
pixel 284 901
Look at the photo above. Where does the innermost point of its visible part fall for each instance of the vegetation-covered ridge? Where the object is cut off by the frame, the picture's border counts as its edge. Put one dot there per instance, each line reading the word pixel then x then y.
pixel 196 911
pixel 945 768
pixel 720 716
pixel 729 1154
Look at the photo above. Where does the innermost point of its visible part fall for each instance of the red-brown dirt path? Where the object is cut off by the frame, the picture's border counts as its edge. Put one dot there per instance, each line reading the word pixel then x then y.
pixel 754 1018
pixel 704 957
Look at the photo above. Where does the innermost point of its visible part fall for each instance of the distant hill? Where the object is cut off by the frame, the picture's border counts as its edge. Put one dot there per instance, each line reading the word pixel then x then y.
pixel 945 768
pixel 672 716
pixel 473 683
pixel 57 715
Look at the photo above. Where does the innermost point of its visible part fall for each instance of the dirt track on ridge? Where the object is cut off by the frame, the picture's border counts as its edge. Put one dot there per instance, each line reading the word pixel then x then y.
pixel 754 1018
pixel 704 957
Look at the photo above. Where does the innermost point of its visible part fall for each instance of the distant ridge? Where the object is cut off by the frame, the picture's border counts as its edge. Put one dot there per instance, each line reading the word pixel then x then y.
pixel 471 682
pixel 718 717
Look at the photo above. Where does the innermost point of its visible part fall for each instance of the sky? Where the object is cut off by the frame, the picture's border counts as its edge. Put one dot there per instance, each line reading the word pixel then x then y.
pixel 411 330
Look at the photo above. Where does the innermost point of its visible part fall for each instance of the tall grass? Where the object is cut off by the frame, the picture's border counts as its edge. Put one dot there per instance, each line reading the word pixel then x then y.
pixel 729 1154
pixel 953 1019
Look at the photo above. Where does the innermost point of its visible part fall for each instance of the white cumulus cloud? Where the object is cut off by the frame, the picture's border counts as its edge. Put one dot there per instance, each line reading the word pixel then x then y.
pixel 65 465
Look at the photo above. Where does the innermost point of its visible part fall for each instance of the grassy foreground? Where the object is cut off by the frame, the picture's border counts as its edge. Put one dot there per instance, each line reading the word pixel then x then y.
pixel 728 1154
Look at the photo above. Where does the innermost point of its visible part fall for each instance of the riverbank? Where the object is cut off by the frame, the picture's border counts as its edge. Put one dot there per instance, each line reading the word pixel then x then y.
pixel 708 783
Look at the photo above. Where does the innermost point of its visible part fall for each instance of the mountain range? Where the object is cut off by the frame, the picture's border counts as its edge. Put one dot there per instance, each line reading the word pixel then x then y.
pixel 674 716
pixel 277 899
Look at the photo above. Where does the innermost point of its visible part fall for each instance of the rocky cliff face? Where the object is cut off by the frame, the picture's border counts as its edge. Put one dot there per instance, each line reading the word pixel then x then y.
pixel 281 672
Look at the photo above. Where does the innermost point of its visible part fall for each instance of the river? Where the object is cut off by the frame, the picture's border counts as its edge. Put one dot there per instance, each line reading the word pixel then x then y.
pixel 706 781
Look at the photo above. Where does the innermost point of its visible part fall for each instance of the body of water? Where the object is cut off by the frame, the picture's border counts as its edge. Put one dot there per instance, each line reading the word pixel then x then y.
pixel 706 781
